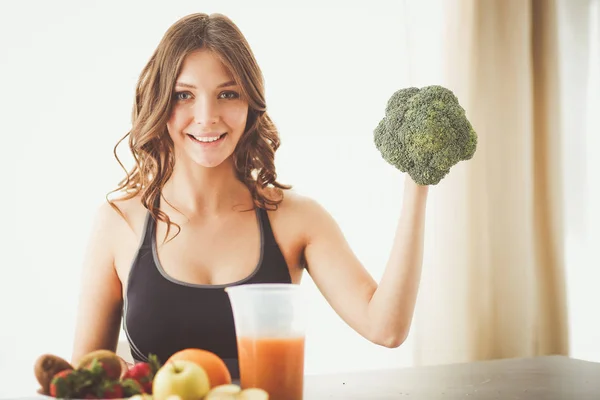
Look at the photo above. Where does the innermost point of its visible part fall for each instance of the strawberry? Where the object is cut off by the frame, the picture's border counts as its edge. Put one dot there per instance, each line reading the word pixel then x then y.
pixel 138 371
pixel 131 387
pixel 143 373
pixel 110 371
pixel 147 387
pixel 111 390
pixel 85 383
pixel 61 384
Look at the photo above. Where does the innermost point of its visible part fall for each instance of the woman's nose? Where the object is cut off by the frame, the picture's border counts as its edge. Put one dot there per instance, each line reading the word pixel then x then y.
pixel 205 112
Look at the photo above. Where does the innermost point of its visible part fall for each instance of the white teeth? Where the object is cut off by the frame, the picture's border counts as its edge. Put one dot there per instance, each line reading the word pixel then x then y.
pixel 207 139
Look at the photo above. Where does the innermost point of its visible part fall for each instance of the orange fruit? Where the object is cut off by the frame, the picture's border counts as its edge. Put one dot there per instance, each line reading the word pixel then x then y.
pixel 215 367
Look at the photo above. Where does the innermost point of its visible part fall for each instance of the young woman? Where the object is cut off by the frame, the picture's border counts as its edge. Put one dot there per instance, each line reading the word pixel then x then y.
pixel 202 210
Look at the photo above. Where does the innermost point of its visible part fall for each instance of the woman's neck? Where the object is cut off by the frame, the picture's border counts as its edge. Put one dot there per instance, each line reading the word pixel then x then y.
pixel 199 191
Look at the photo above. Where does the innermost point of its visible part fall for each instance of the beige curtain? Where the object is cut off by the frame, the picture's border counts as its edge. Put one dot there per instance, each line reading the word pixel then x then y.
pixel 493 282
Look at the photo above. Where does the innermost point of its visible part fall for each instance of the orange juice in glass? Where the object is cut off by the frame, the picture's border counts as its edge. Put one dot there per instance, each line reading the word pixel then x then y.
pixel 270 328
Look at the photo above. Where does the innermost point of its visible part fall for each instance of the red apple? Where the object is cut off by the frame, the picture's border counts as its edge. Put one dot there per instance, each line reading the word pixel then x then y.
pixel 181 378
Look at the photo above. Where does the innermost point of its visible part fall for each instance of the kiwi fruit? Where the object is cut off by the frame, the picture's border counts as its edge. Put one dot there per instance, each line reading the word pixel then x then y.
pixel 46 366
pixel 111 362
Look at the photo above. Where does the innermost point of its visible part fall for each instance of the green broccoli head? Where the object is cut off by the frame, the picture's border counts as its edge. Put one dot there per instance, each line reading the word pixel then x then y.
pixel 424 133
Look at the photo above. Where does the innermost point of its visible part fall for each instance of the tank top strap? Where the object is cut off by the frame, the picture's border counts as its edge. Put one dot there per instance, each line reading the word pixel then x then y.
pixel 268 236
pixel 149 230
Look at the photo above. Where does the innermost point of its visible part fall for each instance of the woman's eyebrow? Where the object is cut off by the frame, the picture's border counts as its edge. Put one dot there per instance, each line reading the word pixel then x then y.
pixel 185 85
pixel 190 86
pixel 228 83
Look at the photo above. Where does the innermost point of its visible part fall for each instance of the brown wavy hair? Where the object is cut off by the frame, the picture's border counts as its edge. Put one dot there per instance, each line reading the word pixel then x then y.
pixel 149 141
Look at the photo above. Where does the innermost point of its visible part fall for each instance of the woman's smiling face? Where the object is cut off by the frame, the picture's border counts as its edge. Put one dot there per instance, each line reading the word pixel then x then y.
pixel 208 115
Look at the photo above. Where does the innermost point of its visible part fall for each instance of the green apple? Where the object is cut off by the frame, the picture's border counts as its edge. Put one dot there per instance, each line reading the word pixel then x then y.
pixel 182 378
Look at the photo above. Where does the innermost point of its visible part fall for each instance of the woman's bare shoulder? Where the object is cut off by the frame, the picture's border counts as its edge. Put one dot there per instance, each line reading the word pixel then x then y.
pixel 295 208
pixel 297 204
pixel 122 216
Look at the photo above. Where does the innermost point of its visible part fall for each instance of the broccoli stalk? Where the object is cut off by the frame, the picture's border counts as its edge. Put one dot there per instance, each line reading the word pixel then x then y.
pixel 424 133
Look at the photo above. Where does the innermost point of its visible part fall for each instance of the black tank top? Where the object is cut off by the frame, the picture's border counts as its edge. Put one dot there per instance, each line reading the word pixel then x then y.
pixel 163 315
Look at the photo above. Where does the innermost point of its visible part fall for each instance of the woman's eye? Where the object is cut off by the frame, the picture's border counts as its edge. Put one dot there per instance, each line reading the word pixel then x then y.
pixel 228 95
pixel 182 95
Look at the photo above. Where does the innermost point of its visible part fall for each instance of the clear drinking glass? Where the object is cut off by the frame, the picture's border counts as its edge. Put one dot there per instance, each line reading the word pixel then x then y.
pixel 270 327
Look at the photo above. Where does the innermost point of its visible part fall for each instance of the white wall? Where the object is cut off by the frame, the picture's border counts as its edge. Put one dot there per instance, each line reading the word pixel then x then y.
pixel 68 70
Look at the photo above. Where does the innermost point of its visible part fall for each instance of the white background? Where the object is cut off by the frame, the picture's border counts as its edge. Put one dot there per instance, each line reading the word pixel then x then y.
pixel 68 71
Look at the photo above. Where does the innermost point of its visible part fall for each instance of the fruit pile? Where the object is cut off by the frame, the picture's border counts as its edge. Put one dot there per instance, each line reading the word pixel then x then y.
pixel 191 374
pixel 100 374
